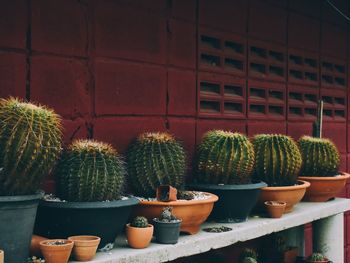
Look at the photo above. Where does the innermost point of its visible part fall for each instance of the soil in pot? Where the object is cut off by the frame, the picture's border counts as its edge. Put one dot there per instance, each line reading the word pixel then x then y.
pixel 56 250
pixel 192 212
pixel 323 189
pixel 139 237
pixel 166 232
pixel 225 210
pixel 84 247
pixel 275 209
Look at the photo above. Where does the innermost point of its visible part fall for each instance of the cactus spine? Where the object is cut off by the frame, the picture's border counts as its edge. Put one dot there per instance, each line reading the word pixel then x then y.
pixel 278 159
pixel 225 158
pixel 90 171
pixel 140 222
pixel 155 159
pixel 320 157
pixel 30 143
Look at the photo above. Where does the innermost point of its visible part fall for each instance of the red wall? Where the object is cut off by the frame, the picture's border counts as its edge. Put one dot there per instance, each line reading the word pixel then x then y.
pixel 114 69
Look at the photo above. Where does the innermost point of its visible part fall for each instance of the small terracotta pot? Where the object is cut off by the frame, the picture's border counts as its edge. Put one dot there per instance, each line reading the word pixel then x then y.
pixel 275 208
pixel 56 253
pixel 139 237
pixel 290 255
pixel 35 245
pixel 1 256
pixel 84 247
pixel 166 193
pixel 324 188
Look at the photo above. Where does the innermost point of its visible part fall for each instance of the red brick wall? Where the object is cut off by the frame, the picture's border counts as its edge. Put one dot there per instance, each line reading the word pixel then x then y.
pixel 114 69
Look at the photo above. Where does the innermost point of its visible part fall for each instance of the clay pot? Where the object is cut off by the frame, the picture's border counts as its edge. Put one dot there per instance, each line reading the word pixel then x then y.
pixel 1 256
pixel 323 189
pixel 166 193
pixel 290 255
pixel 35 245
pixel 275 208
pixel 54 253
pixel 139 237
pixel 84 247
pixel 192 212
pixel 289 194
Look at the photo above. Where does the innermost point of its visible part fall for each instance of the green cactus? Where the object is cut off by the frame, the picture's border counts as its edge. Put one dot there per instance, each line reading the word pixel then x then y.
pixel 30 144
pixel 249 260
pixel 140 222
pixel 155 159
pixel 278 159
pixel 249 252
pixel 320 157
pixel 225 158
pixel 167 215
pixel 317 257
pixel 90 171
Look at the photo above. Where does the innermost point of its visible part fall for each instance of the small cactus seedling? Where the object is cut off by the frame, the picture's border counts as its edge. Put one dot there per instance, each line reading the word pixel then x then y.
pixel 155 159
pixel 224 158
pixel 90 171
pixel 140 222
pixel 320 157
pixel 278 159
pixel 167 215
pixel 30 144
pixel 317 257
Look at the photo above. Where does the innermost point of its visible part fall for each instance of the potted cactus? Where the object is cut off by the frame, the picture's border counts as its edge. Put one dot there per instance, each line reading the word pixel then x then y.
pixel 90 177
pixel 30 144
pixel 167 227
pixel 139 232
pixel 317 258
pixel 278 162
pixel 321 169
pixel 224 166
pixel 156 159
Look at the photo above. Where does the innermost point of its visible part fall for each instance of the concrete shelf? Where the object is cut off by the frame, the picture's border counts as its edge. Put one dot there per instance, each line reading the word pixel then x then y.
pixel 326 217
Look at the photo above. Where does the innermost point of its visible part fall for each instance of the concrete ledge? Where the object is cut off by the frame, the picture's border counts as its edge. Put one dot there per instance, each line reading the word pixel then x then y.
pixel 190 245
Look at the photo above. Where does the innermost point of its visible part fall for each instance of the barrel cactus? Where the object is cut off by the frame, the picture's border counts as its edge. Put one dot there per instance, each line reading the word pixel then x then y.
pixel 317 257
pixel 30 144
pixel 155 159
pixel 278 159
pixel 320 157
pixel 90 171
pixel 140 222
pixel 224 158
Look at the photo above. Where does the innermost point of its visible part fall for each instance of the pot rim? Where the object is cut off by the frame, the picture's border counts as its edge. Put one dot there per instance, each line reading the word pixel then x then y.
pixel 84 238
pixel 276 203
pixel 161 222
pixel 253 185
pixel 68 242
pixel 148 226
pixel 339 177
pixel 18 198
pixel 301 185
pixel 131 201
pixel 213 198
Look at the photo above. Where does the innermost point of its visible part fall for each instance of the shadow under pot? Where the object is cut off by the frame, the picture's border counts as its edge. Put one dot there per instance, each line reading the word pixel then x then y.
pixel 166 232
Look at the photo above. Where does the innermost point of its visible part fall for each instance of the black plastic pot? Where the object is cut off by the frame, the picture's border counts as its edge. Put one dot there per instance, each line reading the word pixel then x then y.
pixel 64 219
pixel 17 216
pixel 166 232
pixel 235 201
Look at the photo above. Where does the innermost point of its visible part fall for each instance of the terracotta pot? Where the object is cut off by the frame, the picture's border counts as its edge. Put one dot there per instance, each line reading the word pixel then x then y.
pixel 35 245
pixel 324 188
pixel 275 208
pixel 166 193
pixel 1 256
pixel 290 255
pixel 139 237
pixel 56 253
pixel 192 212
pixel 289 194
pixel 84 247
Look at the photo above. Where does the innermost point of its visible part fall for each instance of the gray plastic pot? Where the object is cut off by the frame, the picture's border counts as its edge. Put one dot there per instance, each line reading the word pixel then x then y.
pixel 17 217
pixel 166 232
